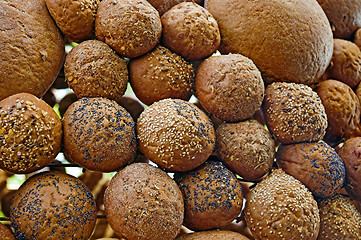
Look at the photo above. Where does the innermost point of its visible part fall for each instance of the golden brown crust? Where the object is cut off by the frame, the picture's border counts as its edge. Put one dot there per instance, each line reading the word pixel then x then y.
pixel 143 202
pixel 131 28
pixel 30 133
pixel 93 69
pixel 6 233
pixel 32 48
pixel 191 31
pixel 214 235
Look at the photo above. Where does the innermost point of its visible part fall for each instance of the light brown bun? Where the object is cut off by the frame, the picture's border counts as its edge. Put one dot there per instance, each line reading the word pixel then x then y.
pixel 53 205
pixel 246 148
pixel 32 48
pixel 281 207
pixel 99 134
pixel 315 164
pixel 175 134
pixel 161 74
pixel 74 18
pixel 339 219
pixel 212 196
pixel 5 233
pixel 131 28
pixel 357 38
pixel 342 108
pixel 344 16
pixel 294 113
pixel 164 5
pixel 350 153
pixel 230 87
pixel 190 30
pixel 143 202
pixel 287 40
pixel 30 133
pixel 93 69
pixel 213 235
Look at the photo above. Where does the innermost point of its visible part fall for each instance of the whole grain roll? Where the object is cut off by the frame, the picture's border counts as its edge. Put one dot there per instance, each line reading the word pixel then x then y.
pixel 93 69
pixel 53 205
pixel 32 48
pixel 315 164
pixel 6 233
pixel 30 133
pixel 164 5
pixel 281 207
pixel 131 28
pixel 143 202
pixel 288 41
pixel 214 235
pixel 175 134
pixel 294 113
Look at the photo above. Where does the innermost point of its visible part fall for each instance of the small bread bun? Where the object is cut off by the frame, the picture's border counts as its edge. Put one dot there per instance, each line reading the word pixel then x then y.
pixel 315 164
pixel 175 134
pixel 132 105
pixel 99 134
pixel 53 205
pixel 246 148
pixel 5 233
pixel 164 5
pixel 212 196
pixel 214 235
pixel 131 28
pixel 143 202
pixel 281 207
pixel 294 113
pixel 93 69
pixel 357 38
pixel 230 87
pixel 30 133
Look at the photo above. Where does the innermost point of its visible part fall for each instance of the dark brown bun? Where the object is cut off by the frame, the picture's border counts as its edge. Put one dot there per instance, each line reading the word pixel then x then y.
pixel 131 28
pixel 294 113
pixel 161 74
pixel 164 5
pixel 99 134
pixel 93 69
pixel 66 101
pixel 350 153
pixel 143 202
pixel 74 18
pixel 342 108
pixel 132 105
pixel 32 48
pixel 5 233
pixel 190 30
pixel 316 165
pixel 344 16
pixel 345 64
pixel 175 134
pixel 246 148
pixel 53 205
pixel 287 40
pixel 281 207
pixel 212 196
pixel 214 235
pixel 339 219
pixel 230 87
pixel 30 134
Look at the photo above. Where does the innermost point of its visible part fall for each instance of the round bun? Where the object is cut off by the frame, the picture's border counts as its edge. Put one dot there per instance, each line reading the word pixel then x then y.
pixel 161 74
pixel 350 153
pixel 294 113
pixel 32 48
pixel 344 16
pixel 212 196
pixel 132 105
pixel 230 87
pixel 99 134
pixel 6 233
pixel 30 133
pixel 131 28
pixel 293 43
pixel 93 69
pixel 164 5
pixel 339 219
pixel 281 207
pixel 190 30
pixel 246 148
pixel 175 134
pixel 316 165
pixel 66 102
pixel 214 235
pixel 143 202
pixel 357 38
pixel 342 108
pixel 74 18
pixel 53 205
